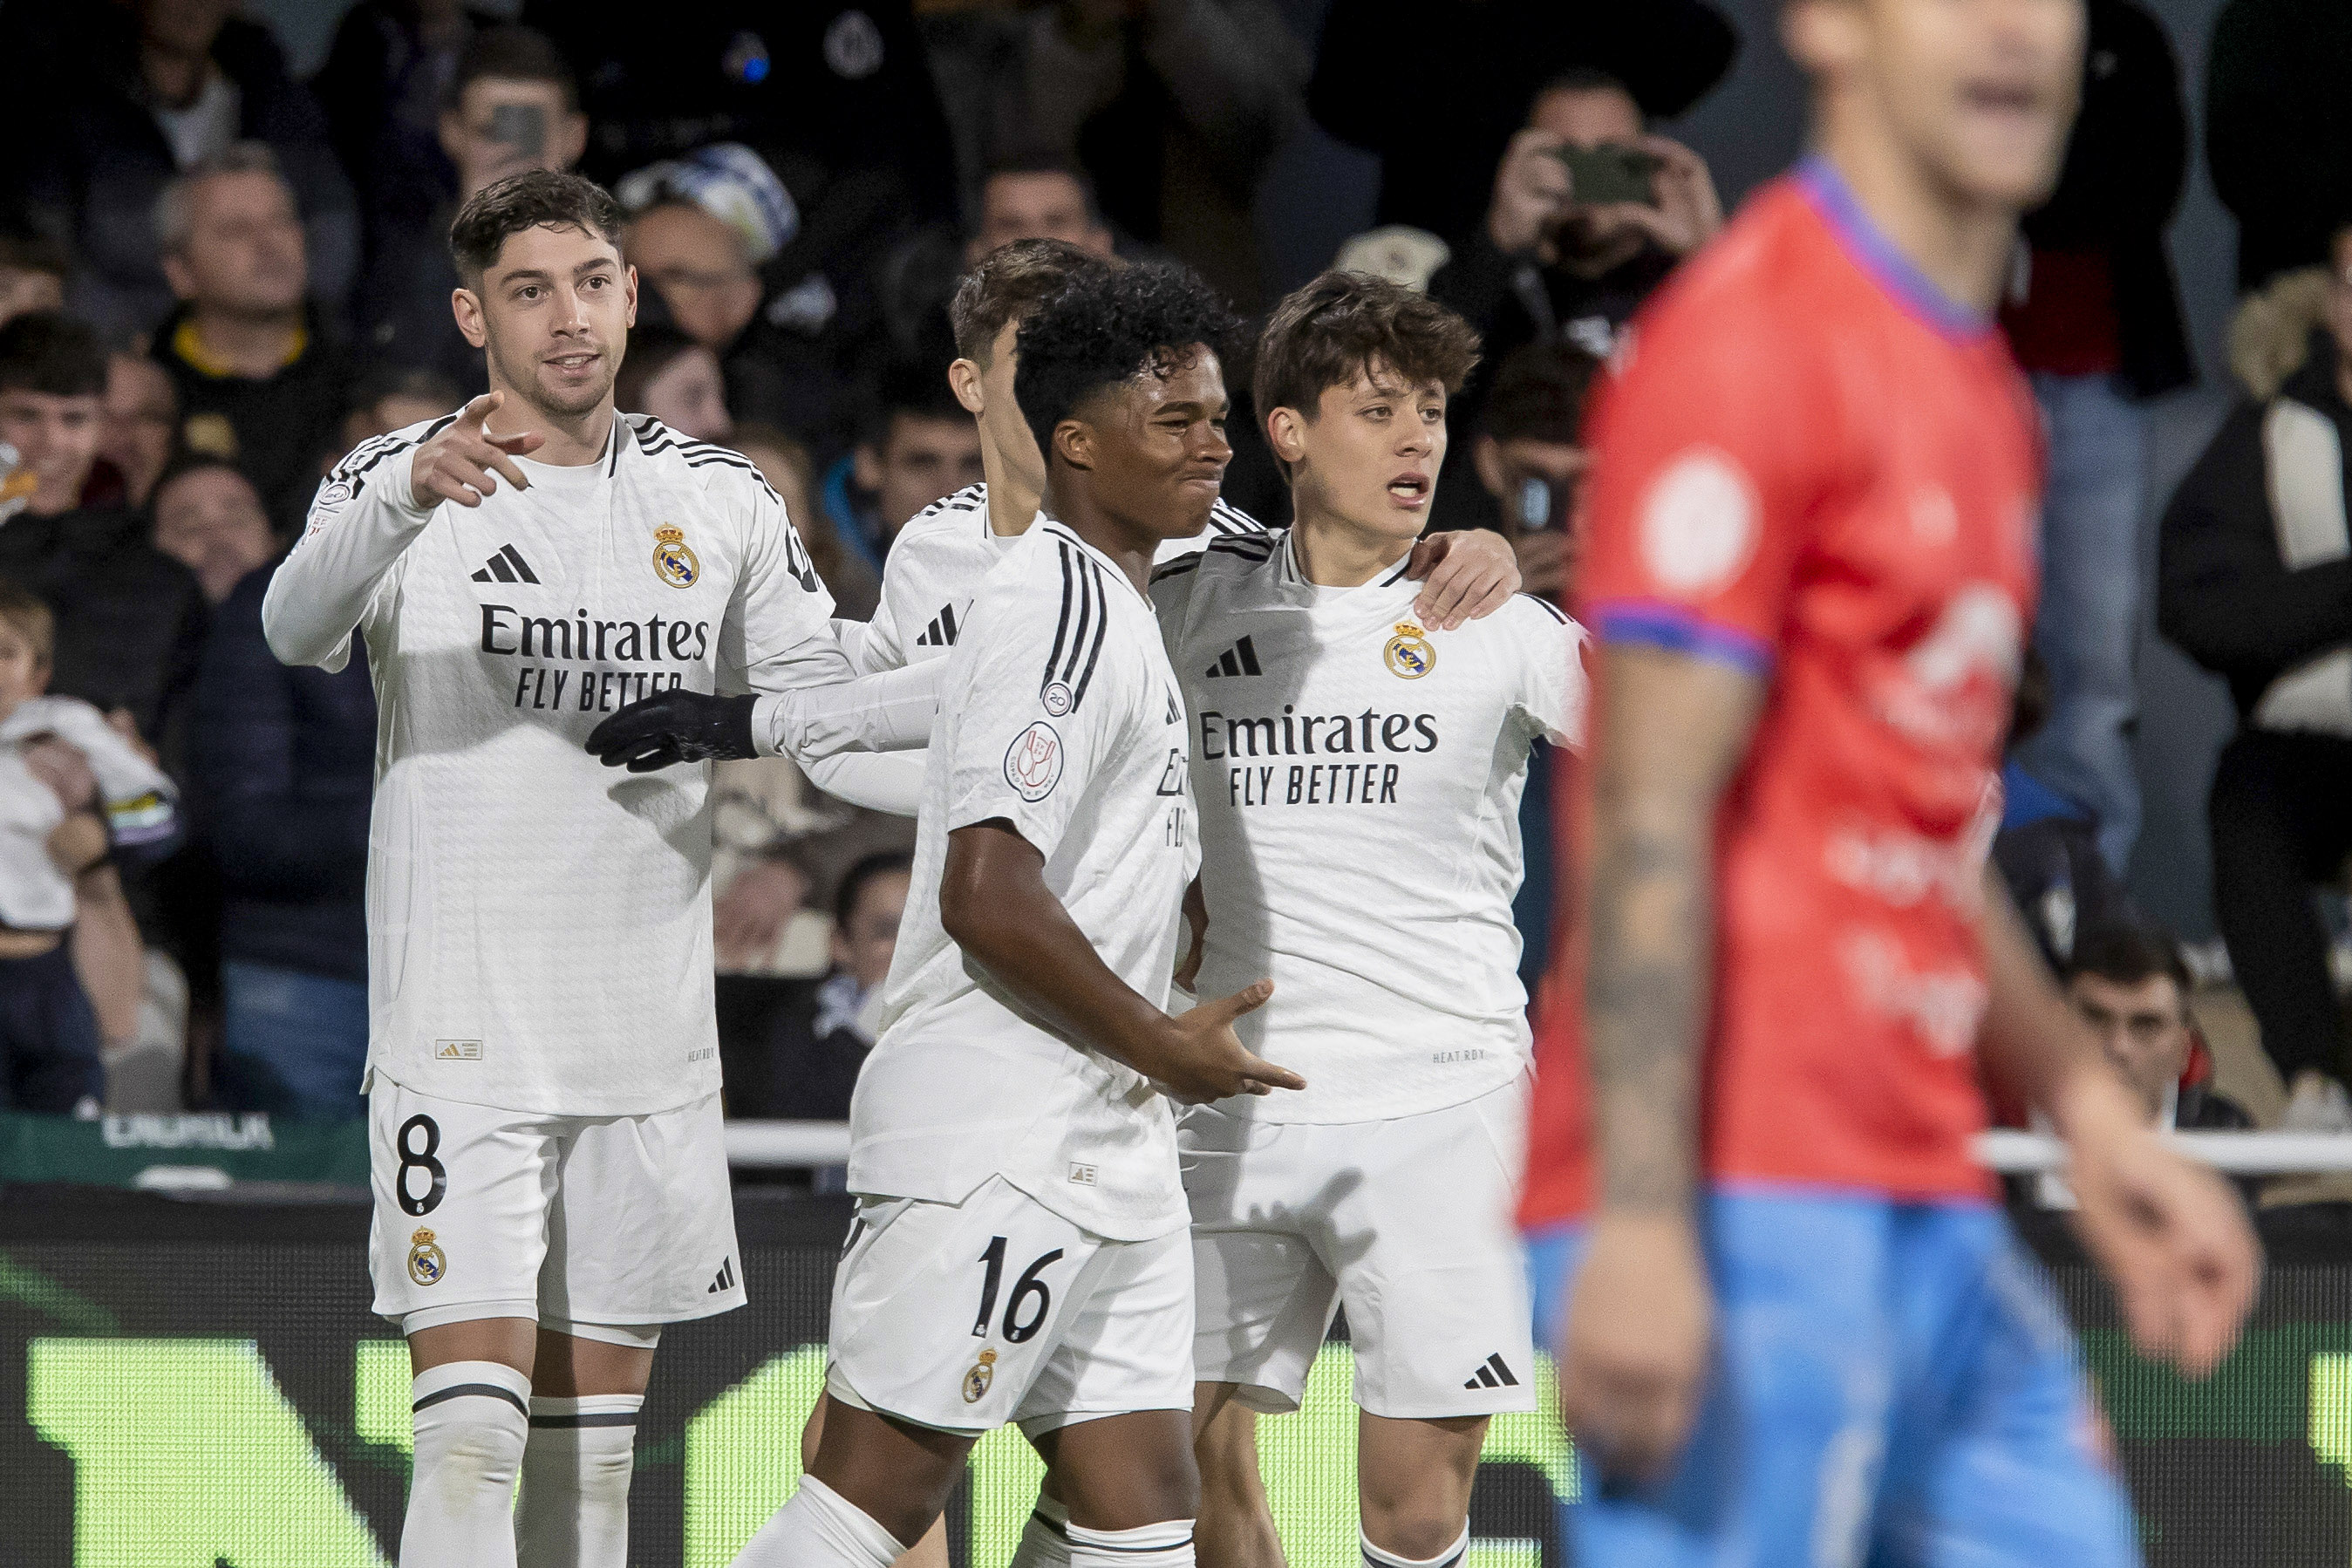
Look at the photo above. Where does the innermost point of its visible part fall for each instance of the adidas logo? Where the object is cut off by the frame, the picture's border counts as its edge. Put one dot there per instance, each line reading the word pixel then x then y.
pixel 726 1280
pixel 1239 659
pixel 942 632
pixel 507 566
pixel 1494 1374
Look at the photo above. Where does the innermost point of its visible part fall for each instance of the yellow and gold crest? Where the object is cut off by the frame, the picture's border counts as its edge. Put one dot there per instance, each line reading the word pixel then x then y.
pixel 1409 655
pixel 425 1262
pixel 976 1380
pixel 674 561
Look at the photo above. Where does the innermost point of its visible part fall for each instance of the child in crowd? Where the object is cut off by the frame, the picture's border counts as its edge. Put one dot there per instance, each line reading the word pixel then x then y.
pixel 75 796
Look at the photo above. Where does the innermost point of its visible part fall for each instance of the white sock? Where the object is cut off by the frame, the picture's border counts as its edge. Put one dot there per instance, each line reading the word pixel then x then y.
pixel 471 1418
pixel 819 1528
pixel 1168 1544
pixel 1046 1539
pixel 1381 1557
pixel 576 1482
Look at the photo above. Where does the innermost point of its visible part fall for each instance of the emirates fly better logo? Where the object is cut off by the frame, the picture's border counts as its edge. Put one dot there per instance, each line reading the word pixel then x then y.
pixel 1033 763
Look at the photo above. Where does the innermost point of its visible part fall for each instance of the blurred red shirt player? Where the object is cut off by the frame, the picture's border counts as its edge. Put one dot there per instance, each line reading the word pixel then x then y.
pixel 1792 1325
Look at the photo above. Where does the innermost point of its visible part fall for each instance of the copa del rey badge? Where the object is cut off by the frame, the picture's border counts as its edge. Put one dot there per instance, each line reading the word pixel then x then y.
pixel 674 561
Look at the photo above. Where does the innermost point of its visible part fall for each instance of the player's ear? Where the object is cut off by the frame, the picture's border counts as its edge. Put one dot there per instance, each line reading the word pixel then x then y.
pixel 1075 441
pixel 963 380
pixel 629 290
pixel 467 306
pixel 1286 432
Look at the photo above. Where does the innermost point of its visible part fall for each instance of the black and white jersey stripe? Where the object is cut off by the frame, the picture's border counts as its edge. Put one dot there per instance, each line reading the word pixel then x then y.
pixel 1085 618
pixel 1554 611
pixel 376 450
pixel 1229 520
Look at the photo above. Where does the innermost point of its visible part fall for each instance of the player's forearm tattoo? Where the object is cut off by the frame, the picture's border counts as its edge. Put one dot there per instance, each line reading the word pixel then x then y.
pixel 1645 991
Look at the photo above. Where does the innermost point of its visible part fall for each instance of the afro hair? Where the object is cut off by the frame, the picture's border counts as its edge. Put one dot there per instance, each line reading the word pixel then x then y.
pixel 1108 328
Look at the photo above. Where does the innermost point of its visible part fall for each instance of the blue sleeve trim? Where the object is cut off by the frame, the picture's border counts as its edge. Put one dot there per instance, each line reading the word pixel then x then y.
pixel 1681 630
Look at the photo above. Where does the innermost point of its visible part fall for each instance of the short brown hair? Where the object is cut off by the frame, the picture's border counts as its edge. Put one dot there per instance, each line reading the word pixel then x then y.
pixel 1010 282
pixel 24 613
pixel 535 198
pixel 1345 322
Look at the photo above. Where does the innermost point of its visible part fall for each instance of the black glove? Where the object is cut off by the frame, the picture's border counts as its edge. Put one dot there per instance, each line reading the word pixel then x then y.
pixel 675 726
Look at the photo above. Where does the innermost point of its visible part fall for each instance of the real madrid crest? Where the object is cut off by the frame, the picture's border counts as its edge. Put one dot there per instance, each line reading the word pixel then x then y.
pixel 674 561
pixel 426 1263
pixel 976 1380
pixel 1409 655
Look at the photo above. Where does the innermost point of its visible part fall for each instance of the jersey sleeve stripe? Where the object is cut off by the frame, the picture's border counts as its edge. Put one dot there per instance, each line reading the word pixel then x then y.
pixel 1094 649
pixel 1554 611
pixel 1062 627
pixel 1176 568
pixel 1089 608
pixel 1678 629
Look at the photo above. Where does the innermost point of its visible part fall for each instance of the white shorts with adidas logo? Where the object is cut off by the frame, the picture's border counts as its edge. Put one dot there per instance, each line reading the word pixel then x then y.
pixel 1406 1221
pixel 579 1222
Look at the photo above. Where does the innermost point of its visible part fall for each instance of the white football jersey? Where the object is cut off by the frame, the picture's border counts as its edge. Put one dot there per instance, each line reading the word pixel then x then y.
pixel 1059 714
pixel 1359 780
pixel 934 569
pixel 539 925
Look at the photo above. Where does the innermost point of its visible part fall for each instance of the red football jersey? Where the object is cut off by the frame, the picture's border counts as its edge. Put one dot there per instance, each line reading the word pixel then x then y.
pixel 1812 466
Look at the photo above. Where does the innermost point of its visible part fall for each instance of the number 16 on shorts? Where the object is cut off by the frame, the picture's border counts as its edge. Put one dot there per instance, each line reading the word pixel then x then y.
pixel 944 1314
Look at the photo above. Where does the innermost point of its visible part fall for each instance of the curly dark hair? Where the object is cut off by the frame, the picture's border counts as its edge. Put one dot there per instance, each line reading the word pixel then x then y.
pixel 1343 322
pixel 1108 328
pixel 519 202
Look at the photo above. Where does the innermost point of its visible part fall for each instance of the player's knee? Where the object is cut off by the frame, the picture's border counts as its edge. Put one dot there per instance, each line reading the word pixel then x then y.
pixel 1414 1523
pixel 479 1449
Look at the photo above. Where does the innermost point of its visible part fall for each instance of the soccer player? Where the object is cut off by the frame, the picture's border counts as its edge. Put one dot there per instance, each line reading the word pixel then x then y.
pixel 551 1183
pixel 1020 1251
pixel 937 560
pixel 1358 777
pixel 1792 1325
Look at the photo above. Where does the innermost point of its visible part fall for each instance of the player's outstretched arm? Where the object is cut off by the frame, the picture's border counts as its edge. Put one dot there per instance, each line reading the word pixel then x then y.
pixel 891 710
pixel 1466 575
pixel 1633 1356
pixel 2171 1236
pixel 994 902
pixel 360 523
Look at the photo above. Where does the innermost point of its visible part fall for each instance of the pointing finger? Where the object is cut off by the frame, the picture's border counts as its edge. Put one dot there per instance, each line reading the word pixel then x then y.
pixel 1263 1075
pixel 476 412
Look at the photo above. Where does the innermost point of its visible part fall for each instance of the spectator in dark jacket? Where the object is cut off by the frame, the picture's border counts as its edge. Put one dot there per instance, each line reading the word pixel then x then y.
pixel 113 99
pixel 209 519
pixel 2129 986
pixel 510 105
pixel 816 1043
pixel 130 620
pixel 283 763
pixel 261 382
pixel 2255 583
pixel 1469 68
pixel 2094 318
pixel 2278 130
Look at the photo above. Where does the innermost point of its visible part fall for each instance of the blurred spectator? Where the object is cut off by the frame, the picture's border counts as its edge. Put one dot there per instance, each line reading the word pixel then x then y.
pixel 75 796
pixel 1544 266
pixel 784 463
pixel 700 266
pixel 1037 199
pixel 130 620
pixel 816 1046
pixel 283 762
pixel 1530 458
pixel 670 375
pixel 2128 985
pixel 918 445
pixel 139 425
pixel 1469 68
pixel 118 97
pixel 2093 315
pixel 2255 583
pixel 260 382
pixel 2278 130
pixel 2047 847
pixel 33 273
pixel 208 519
pixel 392 400
pixel 1174 107
pixel 510 105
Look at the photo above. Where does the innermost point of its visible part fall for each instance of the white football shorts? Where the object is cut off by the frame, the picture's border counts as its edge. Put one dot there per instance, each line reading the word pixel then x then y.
pixel 1407 1222
pixel 571 1220
pixel 965 1316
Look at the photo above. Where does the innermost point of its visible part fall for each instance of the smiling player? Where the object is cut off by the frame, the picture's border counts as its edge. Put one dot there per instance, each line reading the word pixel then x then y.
pixel 1359 777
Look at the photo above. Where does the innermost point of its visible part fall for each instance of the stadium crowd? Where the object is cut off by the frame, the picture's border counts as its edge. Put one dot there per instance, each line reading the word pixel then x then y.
pixel 216 279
